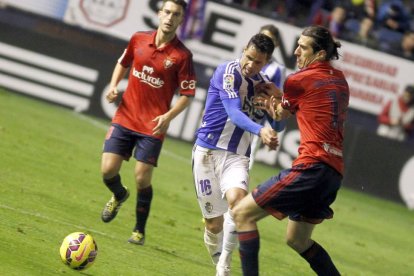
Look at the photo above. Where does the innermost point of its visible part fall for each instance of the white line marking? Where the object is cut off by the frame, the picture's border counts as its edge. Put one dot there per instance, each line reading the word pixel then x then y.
pixel 38 215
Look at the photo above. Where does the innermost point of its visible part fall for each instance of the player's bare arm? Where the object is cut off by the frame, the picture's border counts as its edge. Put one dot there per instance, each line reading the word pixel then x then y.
pixel 117 75
pixel 163 121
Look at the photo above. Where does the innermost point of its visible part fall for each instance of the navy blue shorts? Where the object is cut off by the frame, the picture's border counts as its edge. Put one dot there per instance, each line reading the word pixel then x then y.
pixel 304 193
pixel 122 141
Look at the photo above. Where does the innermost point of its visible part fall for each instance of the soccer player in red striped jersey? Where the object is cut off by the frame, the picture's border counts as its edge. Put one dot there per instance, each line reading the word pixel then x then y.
pixel 160 66
pixel 318 94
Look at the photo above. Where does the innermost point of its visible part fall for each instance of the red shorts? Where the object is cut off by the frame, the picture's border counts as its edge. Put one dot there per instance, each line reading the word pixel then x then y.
pixel 304 193
pixel 122 141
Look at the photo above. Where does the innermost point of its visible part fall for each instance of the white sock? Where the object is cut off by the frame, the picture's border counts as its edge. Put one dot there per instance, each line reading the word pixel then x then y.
pixel 230 240
pixel 214 244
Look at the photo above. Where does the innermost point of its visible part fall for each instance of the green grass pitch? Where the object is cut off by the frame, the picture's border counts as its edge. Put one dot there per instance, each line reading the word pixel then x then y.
pixel 50 186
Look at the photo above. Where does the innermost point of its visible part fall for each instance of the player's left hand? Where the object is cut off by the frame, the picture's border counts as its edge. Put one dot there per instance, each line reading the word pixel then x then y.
pixel 162 125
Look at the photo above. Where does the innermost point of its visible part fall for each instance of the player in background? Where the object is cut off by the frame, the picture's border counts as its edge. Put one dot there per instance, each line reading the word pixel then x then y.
pixel 222 148
pixel 276 72
pixel 160 65
pixel 318 94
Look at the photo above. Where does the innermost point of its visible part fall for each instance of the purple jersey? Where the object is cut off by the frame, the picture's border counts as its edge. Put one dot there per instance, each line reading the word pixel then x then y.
pixel 217 131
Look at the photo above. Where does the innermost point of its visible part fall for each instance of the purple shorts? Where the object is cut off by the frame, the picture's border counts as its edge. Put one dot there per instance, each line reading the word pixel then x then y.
pixel 304 193
pixel 122 141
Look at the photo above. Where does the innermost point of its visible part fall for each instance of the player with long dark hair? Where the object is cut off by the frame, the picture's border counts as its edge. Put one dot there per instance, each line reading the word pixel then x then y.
pixel 318 95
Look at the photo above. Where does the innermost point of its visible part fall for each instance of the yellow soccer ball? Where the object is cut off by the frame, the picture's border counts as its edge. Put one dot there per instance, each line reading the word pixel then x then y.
pixel 78 250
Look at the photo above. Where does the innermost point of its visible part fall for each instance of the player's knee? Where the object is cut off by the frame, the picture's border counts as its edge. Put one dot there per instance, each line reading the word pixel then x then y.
pixel 108 171
pixel 240 216
pixel 142 181
pixel 296 244
pixel 214 225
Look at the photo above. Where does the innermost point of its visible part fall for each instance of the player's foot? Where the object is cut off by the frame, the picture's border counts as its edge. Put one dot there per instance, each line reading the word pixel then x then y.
pixel 137 238
pixel 112 207
pixel 222 270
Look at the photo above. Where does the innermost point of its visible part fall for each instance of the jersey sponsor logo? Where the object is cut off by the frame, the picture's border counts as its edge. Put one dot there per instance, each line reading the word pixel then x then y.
pixel 228 81
pixel 188 84
pixel 332 150
pixel 249 107
pixel 147 69
pixel 145 76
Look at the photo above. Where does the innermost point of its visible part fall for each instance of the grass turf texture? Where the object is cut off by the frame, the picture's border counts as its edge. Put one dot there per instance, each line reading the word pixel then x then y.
pixel 50 186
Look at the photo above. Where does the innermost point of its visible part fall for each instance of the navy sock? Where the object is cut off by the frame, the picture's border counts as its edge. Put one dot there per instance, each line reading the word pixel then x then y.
pixel 115 186
pixel 249 252
pixel 320 261
pixel 143 208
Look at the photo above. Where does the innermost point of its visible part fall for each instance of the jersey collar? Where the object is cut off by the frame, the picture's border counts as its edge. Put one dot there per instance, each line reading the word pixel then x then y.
pixel 172 43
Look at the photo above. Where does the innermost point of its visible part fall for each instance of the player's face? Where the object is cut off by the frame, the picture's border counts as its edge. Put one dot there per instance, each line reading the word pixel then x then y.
pixel 252 61
pixel 304 52
pixel 171 15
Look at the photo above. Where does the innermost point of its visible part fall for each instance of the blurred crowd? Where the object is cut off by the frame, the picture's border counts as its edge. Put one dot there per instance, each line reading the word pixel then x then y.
pixel 385 25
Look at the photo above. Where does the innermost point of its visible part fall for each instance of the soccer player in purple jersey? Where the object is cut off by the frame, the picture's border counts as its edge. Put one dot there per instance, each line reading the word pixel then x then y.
pixel 276 72
pixel 318 95
pixel 222 149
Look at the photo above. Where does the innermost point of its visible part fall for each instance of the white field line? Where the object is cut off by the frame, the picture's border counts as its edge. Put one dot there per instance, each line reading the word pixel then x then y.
pixel 38 215
pixel 104 126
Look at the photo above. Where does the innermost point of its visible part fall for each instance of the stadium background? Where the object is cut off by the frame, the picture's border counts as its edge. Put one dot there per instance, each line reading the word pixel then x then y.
pixel 63 52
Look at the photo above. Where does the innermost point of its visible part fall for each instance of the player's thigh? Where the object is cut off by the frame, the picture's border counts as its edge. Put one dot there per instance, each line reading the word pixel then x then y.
pixel 247 211
pixel 207 183
pixel 234 171
pixel 119 140
pixel 147 149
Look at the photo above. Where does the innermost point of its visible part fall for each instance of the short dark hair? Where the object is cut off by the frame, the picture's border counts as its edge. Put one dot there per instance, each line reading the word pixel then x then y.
pixel 263 43
pixel 410 89
pixel 182 3
pixel 323 40
pixel 273 30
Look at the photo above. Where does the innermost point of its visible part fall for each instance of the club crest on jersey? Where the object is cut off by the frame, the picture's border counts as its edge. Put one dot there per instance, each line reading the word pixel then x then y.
pixel 228 81
pixel 168 62
pixel 285 102
pixel 208 207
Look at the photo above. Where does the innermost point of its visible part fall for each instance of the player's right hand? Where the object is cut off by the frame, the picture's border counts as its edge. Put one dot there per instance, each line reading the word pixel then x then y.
pixel 269 137
pixel 112 95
